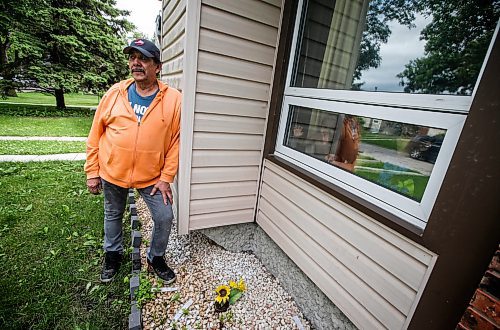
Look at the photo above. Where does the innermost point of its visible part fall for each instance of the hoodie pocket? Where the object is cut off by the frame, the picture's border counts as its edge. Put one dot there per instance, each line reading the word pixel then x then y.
pixel 147 166
pixel 119 163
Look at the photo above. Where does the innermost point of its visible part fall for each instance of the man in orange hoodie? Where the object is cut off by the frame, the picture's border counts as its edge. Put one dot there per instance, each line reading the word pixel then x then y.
pixel 134 143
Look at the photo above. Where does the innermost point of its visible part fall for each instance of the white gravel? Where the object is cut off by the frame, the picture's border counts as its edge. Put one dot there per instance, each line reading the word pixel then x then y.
pixel 201 266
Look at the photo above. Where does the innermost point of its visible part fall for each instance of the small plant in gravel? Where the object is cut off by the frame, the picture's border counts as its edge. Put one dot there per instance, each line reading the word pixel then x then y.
pixel 145 292
pixel 175 297
pixel 225 318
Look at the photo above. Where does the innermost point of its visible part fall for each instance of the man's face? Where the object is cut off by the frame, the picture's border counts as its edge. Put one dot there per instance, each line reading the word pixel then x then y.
pixel 143 69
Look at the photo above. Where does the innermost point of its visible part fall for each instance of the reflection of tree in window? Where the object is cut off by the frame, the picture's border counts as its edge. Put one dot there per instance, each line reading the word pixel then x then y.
pixel 456 42
pixel 341 39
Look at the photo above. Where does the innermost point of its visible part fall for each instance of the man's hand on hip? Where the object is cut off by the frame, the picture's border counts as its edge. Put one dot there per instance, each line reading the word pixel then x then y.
pixel 164 188
pixel 94 186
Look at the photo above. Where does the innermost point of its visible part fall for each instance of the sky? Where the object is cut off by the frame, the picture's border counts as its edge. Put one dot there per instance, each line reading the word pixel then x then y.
pixel 403 46
pixel 142 13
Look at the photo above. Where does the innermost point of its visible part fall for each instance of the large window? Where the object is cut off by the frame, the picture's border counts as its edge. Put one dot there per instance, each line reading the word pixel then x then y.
pixel 369 103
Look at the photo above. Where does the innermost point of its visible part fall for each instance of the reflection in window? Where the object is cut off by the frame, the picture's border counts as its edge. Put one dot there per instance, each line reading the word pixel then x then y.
pixel 395 155
pixel 396 46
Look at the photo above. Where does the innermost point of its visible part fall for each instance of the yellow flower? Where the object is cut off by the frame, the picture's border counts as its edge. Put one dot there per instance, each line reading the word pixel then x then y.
pixel 241 285
pixel 222 293
pixel 233 284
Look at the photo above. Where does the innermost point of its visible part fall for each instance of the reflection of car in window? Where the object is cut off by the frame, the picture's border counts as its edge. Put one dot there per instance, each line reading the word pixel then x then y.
pixel 425 147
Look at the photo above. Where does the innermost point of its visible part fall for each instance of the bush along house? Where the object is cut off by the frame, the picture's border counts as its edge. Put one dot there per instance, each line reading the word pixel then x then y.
pixel 352 145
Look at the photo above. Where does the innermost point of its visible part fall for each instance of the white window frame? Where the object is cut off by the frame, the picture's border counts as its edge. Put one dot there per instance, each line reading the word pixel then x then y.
pixel 438 111
pixel 412 211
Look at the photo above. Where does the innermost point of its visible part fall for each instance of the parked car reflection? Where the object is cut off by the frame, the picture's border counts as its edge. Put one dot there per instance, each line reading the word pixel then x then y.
pixel 425 147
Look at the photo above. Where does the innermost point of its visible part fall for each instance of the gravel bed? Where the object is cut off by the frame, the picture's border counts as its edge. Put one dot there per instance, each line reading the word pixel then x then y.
pixel 201 266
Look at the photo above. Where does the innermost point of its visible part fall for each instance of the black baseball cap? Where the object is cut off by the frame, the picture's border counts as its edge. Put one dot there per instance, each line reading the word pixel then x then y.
pixel 146 47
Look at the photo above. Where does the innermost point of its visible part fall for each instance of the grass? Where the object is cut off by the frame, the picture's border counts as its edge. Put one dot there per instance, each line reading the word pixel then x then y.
pixel 396 182
pixel 389 142
pixel 50 251
pixel 40 147
pixel 24 110
pixel 75 99
pixel 39 126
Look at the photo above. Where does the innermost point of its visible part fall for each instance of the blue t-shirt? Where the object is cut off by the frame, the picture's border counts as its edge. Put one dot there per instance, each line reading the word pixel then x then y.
pixel 139 103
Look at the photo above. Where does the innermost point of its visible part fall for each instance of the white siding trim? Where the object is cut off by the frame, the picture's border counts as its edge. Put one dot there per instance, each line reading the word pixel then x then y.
pixel 193 9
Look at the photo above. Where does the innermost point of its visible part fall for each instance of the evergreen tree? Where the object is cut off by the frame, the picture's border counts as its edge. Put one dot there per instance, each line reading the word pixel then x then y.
pixel 74 45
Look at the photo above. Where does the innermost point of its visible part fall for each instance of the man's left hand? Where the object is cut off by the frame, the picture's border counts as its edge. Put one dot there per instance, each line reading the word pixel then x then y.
pixel 164 188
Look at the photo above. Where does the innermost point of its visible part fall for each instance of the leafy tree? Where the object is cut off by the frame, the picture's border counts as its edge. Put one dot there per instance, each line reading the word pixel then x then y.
pixel 457 40
pixel 377 31
pixel 78 46
pixel 17 18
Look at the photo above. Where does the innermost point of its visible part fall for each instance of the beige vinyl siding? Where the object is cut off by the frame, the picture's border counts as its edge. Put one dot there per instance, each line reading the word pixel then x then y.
pixel 236 50
pixel 373 274
pixel 173 42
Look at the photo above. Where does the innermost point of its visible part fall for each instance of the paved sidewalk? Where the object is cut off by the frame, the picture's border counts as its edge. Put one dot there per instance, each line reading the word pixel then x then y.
pixel 42 138
pixel 41 158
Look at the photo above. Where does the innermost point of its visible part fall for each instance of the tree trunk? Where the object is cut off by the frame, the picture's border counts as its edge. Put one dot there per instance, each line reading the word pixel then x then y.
pixel 11 92
pixel 60 98
pixel 5 69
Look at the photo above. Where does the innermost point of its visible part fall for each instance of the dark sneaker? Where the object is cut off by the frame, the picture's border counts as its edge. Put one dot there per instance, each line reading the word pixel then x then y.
pixel 112 262
pixel 161 269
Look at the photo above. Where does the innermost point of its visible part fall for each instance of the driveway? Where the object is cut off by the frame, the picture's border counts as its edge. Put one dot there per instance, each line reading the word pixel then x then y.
pixel 399 158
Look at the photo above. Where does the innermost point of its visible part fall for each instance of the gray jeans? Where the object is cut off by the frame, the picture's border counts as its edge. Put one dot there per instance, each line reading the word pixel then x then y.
pixel 115 199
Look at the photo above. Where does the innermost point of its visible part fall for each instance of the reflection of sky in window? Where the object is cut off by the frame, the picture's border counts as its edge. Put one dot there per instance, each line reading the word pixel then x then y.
pixel 403 45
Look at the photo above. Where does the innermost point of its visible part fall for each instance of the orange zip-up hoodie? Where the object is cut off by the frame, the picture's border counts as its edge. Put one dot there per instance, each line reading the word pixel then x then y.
pixel 131 154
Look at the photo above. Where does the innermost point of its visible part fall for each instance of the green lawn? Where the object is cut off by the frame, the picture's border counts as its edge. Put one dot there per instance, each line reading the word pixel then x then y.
pixel 405 183
pixel 30 110
pixel 50 251
pixel 40 147
pixel 42 126
pixel 394 143
pixel 74 99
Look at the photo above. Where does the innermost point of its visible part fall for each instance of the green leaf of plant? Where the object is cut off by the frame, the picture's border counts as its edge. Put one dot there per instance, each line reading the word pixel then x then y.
pixel 28 208
pixel 65 208
pixel 94 288
pixel 235 298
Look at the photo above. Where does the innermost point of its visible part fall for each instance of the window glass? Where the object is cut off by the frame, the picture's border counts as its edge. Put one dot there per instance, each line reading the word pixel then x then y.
pixel 430 47
pixel 395 155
